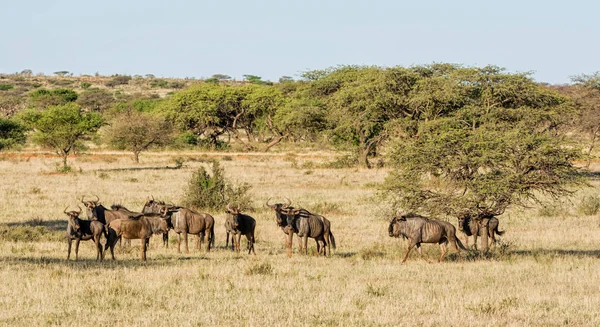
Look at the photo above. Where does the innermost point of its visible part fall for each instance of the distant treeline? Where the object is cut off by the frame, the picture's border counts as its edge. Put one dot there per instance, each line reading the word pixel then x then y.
pixel 357 108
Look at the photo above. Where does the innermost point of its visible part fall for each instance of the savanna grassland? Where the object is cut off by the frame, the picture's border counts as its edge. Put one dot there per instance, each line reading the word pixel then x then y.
pixel 545 272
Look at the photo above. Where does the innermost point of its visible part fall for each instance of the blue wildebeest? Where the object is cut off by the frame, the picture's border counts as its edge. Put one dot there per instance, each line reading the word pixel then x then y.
pixel 240 224
pixel 154 206
pixel 306 225
pixel 140 228
pixel 475 226
pixel 82 230
pixel 96 211
pixel 419 229
pixel 186 221
pixel 280 210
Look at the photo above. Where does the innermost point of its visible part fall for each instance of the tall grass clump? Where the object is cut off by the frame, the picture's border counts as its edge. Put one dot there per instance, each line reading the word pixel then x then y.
pixel 589 205
pixel 214 191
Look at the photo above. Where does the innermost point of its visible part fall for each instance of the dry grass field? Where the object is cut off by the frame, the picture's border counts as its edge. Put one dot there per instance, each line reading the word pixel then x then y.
pixel 546 271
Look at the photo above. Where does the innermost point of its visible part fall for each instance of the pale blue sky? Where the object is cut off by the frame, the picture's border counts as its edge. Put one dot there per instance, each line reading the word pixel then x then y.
pixel 554 39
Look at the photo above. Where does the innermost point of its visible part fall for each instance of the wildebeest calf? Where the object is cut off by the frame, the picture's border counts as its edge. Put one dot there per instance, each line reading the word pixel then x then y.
pixel 419 229
pixel 473 227
pixel 82 230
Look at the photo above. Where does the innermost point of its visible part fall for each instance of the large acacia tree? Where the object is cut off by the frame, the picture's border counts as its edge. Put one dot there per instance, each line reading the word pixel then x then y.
pixel 497 145
pixel 62 127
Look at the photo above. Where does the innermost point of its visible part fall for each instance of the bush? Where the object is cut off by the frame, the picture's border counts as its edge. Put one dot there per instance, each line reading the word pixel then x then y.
pixel 11 133
pixel 118 80
pixel 589 205
pixel 6 87
pixel 85 85
pixel 346 161
pixel 159 83
pixel 215 192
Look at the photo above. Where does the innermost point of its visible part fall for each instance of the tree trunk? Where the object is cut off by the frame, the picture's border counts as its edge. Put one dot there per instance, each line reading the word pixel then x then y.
pixel 275 141
pixel 64 159
pixel 136 156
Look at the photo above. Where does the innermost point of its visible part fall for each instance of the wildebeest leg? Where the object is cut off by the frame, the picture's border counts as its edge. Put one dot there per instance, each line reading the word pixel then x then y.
pixel 250 246
pixel 410 246
pixel 144 248
pixel 77 240
pixel 238 240
pixel 69 241
pixel 288 243
pixel 475 241
pixel 226 239
pixel 328 240
pixel 318 247
pixel 305 244
pixel 322 247
pixel 443 250
pixel 166 240
pixel 185 239
pixel 99 254
pixel 178 242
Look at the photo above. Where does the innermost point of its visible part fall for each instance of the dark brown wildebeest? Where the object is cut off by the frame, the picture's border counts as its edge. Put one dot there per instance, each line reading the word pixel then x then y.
pixel 83 230
pixel 306 225
pixel 154 206
pixel 419 229
pixel 281 218
pixel 473 226
pixel 186 221
pixel 141 228
pixel 241 224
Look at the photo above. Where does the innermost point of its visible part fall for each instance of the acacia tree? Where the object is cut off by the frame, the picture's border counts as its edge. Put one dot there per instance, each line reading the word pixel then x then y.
pixel 11 133
pixel 62 127
pixel 137 131
pixel 501 148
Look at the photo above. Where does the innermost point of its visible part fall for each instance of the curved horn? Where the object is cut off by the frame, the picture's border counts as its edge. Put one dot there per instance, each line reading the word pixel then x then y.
pixel 65 210
pixel 97 198
pixel 83 196
pixel 80 210
pixel 287 202
pixel 267 203
pixel 229 207
pixel 152 197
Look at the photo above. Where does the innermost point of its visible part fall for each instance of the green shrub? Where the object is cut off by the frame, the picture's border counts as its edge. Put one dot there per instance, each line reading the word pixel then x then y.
pixel 118 80
pixel 589 205
pixel 6 87
pixel 346 161
pixel 159 83
pixel 11 133
pixel 85 85
pixel 215 192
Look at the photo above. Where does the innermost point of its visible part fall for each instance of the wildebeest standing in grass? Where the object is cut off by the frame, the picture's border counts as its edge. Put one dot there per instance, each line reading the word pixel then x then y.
pixel 186 221
pixel 419 229
pixel 241 224
pixel 82 230
pixel 280 210
pixel 154 206
pixel 306 225
pixel 141 228
pixel 475 226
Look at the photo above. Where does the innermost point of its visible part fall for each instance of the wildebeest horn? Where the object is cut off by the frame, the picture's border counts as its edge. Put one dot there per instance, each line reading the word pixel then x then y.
pixel 97 198
pixel 267 203
pixel 152 197
pixel 229 207
pixel 65 210
pixel 80 210
pixel 287 202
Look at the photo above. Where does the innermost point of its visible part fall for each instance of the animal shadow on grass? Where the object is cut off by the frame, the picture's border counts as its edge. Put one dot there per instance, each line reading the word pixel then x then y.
pixel 55 225
pixel 557 253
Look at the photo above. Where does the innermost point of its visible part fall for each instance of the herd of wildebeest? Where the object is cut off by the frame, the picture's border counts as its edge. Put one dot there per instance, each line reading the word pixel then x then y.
pixel 158 217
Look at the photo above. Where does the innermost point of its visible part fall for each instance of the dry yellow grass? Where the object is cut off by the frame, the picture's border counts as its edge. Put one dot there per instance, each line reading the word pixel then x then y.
pixel 548 274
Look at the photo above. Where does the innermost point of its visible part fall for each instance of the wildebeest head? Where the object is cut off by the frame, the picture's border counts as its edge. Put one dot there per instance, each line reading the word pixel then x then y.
pixel 463 219
pixel 280 211
pixel 395 224
pixel 153 206
pixel 74 219
pixel 292 214
pixel 235 213
pixel 91 207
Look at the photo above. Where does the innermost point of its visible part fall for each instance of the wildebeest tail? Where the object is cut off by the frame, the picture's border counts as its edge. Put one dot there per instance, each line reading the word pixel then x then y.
pixel 499 232
pixel 460 245
pixel 332 239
